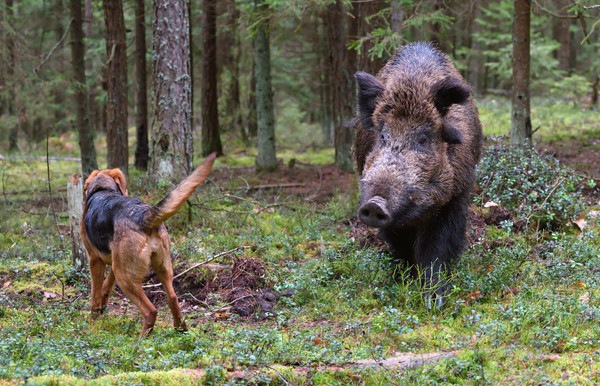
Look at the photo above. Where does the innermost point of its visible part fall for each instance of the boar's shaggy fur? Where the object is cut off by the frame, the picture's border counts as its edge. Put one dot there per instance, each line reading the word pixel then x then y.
pixel 418 141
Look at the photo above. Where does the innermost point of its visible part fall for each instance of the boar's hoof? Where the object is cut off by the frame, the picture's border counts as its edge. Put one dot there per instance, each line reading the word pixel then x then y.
pixel 374 213
pixel 436 298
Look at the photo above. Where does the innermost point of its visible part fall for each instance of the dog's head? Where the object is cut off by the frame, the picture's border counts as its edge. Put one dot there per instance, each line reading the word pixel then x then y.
pixel 109 179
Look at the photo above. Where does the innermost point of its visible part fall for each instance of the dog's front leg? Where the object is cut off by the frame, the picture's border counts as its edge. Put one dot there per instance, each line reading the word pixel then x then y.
pixel 97 269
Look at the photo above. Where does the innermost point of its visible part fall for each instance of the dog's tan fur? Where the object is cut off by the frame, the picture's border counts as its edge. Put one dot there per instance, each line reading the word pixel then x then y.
pixel 136 243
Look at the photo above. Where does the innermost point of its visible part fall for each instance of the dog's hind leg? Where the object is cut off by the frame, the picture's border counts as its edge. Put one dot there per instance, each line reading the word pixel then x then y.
pixel 97 269
pixel 132 287
pixel 107 287
pixel 165 275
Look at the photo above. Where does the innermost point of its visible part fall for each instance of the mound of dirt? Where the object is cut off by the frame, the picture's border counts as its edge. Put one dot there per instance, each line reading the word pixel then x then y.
pixel 241 288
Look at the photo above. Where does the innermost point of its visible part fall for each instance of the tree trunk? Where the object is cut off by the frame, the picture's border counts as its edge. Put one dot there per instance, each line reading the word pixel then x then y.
pixel 343 90
pixel 325 84
pixel 232 63
pixel 252 125
pixel 595 91
pixel 396 18
pixel 171 143
pixel 141 111
pixel 520 133
pixel 82 116
pixel 475 60
pixel 210 113
pixel 58 92
pixel 13 133
pixel 563 35
pixel 75 210
pixel 116 108
pixel 266 159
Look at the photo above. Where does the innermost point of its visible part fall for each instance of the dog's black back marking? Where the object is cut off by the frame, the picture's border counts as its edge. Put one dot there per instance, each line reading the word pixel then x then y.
pixel 105 209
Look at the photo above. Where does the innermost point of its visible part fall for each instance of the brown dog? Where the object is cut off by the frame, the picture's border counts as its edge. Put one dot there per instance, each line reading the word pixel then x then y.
pixel 130 236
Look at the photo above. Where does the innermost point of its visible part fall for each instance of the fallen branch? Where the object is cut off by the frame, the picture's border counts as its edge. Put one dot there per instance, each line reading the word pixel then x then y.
pixel 273 186
pixel 200 264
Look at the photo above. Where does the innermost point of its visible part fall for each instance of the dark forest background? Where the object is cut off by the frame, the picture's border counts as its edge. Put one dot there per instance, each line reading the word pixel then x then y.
pixel 313 49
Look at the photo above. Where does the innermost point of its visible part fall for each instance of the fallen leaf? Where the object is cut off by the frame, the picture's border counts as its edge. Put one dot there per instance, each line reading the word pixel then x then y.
pixel 320 342
pixel 580 284
pixel 222 315
pixel 550 358
pixel 585 298
pixel 580 222
pixel 6 284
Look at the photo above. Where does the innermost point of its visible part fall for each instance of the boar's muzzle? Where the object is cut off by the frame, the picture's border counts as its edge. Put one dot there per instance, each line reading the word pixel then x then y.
pixel 374 213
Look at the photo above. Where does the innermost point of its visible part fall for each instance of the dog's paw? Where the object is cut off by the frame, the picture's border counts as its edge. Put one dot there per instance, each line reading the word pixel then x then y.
pixel 182 327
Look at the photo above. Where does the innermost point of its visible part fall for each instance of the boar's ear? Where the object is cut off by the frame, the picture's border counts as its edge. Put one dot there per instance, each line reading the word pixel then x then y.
pixel 447 92
pixel 451 134
pixel 369 88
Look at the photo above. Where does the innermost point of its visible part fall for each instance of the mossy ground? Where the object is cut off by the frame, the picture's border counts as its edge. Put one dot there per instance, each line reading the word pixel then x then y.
pixel 525 307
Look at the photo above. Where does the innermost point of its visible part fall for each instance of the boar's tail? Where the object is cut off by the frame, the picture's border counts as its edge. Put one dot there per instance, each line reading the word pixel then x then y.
pixel 175 199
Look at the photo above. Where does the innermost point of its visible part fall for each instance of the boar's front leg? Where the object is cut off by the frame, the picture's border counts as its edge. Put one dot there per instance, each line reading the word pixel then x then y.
pixel 439 243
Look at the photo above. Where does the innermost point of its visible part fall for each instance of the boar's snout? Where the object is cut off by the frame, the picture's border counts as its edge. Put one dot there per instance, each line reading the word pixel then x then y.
pixel 374 213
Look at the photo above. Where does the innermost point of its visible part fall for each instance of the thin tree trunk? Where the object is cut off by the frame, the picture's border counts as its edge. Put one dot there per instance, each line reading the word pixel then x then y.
pixel 342 94
pixel 116 109
pixel 141 113
pixel 59 87
pixel 82 116
pixel 171 143
pixel 564 39
pixel 252 125
pixel 397 18
pixel 211 142
pixel 13 133
pixel 520 133
pixel 266 159
pixel 326 85
pixel 475 62
pixel 233 58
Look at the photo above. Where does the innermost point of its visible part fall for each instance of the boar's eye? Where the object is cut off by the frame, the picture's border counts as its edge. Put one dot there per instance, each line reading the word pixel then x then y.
pixel 422 142
pixel 384 136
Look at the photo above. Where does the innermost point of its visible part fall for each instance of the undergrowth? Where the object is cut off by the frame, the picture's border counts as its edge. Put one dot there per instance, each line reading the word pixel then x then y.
pixel 524 307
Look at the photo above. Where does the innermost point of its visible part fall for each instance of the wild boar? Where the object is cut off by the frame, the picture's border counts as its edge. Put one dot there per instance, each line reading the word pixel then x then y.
pixel 418 141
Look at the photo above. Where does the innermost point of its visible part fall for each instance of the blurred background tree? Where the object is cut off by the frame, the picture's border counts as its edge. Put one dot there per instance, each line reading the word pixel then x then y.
pixel 315 48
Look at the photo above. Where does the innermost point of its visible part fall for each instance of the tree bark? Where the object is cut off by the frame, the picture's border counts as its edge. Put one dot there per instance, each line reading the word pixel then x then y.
pixel 266 159
pixel 211 142
pixel 396 18
pixel 231 44
pixel 82 116
pixel 251 124
pixel 75 210
pixel 116 109
pixel 563 34
pixel 141 112
pixel 13 133
pixel 475 60
pixel 521 132
pixel 171 143
pixel 343 89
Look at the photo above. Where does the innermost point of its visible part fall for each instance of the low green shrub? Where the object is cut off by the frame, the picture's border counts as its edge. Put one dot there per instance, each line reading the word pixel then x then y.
pixel 535 187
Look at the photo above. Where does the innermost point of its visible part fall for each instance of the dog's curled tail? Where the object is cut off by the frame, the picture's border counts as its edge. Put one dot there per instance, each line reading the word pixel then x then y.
pixel 173 201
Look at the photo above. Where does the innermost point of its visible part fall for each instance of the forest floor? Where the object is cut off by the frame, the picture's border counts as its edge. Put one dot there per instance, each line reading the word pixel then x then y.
pixel 280 284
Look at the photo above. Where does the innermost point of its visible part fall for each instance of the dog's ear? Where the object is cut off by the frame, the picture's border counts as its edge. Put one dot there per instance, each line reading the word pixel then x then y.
pixel 120 180
pixel 89 180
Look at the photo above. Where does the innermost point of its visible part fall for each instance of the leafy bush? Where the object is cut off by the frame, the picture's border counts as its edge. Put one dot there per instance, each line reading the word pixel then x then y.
pixel 536 187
